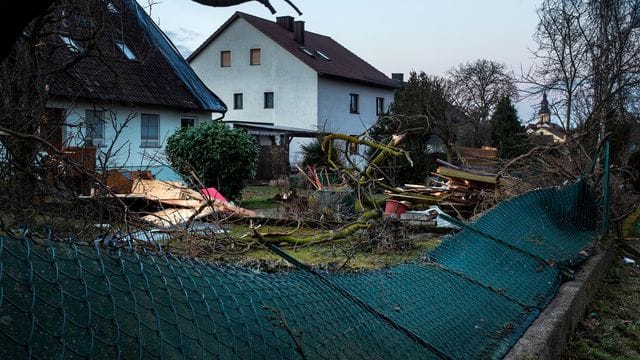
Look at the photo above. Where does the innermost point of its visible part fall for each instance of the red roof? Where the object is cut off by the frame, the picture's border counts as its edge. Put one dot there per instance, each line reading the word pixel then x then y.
pixel 343 64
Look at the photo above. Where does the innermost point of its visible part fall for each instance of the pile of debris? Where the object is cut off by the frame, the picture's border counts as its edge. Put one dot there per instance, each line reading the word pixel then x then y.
pixel 456 189
pixel 178 203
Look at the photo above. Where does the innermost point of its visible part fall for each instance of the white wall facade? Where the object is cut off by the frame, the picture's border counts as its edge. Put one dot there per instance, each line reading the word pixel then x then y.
pixel 302 99
pixel 122 145
pixel 293 83
pixel 333 103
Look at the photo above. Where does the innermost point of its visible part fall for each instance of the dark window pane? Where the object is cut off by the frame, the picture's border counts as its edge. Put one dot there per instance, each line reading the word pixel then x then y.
pixel 94 121
pixel 237 101
pixel 379 106
pixel 150 127
pixel 354 107
pixel 268 100
pixel 186 123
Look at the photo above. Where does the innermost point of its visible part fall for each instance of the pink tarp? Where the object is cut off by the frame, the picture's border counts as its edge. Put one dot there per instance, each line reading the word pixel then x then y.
pixel 213 193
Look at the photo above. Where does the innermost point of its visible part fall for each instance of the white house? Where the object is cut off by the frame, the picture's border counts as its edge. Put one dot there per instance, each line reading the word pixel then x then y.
pixel 129 91
pixel 281 81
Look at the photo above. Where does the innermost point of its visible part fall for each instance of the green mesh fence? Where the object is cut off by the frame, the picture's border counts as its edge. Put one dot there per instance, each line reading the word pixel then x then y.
pixel 471 297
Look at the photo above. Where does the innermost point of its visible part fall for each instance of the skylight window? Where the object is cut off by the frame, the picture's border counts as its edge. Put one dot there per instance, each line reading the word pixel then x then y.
pixel 125 50
pixel 307 51
pixel 322 55
pixel 112 8
pixel 71 44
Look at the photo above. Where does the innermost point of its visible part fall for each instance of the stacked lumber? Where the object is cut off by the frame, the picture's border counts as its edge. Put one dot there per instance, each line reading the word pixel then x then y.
pixel 484 158
pixel 454 188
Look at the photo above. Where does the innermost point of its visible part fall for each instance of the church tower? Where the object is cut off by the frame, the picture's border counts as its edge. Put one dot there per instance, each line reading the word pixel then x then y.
pixel 544 114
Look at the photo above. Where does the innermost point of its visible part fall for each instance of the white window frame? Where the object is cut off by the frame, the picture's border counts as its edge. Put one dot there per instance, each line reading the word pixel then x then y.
pixel 273 100
pixel 193 119
pixel 145 139
pixel 90 115
pixel 238 105
pixel 222 52
pixel 379 106
pixel 251 52
pixel 354 103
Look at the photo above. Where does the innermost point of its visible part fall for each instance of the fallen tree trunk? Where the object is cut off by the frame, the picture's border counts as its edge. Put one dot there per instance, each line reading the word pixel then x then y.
pixel 332 235
pixel 362 177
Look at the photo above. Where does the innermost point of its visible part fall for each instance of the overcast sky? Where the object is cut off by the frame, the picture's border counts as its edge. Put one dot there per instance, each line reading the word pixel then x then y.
pixel 392 35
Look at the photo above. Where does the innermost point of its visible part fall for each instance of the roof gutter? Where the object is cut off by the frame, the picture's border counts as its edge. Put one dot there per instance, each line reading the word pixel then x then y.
pixel 389 85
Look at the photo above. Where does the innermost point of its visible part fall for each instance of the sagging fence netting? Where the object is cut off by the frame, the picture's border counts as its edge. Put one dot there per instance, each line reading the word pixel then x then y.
pixel 471 297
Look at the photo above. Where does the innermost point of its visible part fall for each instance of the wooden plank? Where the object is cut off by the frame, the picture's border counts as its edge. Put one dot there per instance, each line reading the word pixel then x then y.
pixel 172 217
pixel 117 182
pixel 465 175
pixel 415 187
pixel 239 210
pixel 191 203
pixel 422 198
pixel 486 153
pixel 157 190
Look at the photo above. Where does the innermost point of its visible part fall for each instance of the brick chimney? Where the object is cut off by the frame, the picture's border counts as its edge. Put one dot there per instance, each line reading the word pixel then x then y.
pixel 298 32
pixel 285 21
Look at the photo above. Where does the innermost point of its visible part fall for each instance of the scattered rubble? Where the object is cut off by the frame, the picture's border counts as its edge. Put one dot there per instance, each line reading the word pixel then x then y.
pixel 179 204
pixel 456 189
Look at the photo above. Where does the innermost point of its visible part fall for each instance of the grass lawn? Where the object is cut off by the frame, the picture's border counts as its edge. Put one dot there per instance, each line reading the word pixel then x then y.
pixel 611 328
pixel 259 197
pixel 349 253
pixel 334 254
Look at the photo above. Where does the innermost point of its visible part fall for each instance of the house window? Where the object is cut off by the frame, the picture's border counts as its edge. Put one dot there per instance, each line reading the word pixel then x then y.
pixel 353 148
pixel 150 130
pixel 237 101
pixel 379 106
pixel 126 51
pixel 225 58
pixel 268 100
pixel 187 122
pixel 254 57
pixel 354 103
pixel 94 121
pixel 71 44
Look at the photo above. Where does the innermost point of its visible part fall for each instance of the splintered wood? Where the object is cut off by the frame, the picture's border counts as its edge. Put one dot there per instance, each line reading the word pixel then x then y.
pixel 187 204
pixel 455 188
pixel 180 203
pixel 168 218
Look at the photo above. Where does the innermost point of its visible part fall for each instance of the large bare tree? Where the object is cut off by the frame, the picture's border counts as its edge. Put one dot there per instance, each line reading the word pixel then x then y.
pixel 425 107
pixel 588 59
pixel 39 58
pixel 477 88
pixel 563 61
